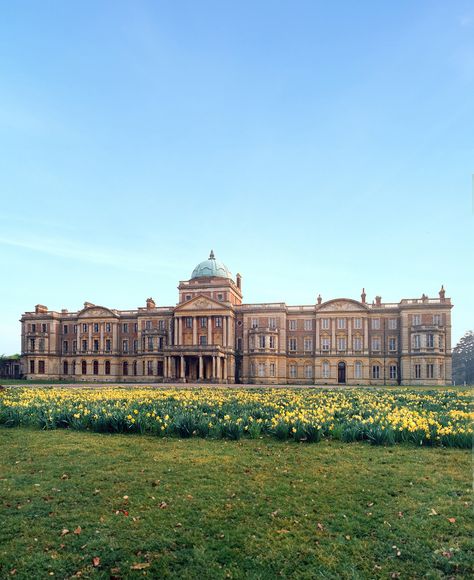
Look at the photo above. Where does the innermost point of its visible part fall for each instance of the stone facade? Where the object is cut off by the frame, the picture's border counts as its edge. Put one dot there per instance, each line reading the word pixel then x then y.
pixel 211 336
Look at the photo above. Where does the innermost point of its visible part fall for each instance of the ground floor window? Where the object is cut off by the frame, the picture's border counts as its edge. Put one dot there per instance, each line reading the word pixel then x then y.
pixel 149 367
pixel 32 366
pixel 95 367
pixel 293 371
pixel 417 371
pixel 125 368
pixel 261 369
pixel 159 370
pixel 272 369
pixel 430 371
pixel 393 371
pixel 84 367
pixel 65 367
pixel 376 372
pixel 325 370
pixel 107 367
pixel 308 371
pixel 358 370
pixel 41 367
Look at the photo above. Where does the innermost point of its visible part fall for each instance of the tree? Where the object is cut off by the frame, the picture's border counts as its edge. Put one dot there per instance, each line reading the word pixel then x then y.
pixel 463 360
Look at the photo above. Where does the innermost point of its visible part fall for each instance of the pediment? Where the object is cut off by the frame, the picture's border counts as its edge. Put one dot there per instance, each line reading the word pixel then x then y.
pixel 96 312
pixel 342 305
pixel 201 303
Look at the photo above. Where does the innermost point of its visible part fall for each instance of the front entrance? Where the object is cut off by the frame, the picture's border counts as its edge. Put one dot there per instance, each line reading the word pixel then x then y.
pixel 341 373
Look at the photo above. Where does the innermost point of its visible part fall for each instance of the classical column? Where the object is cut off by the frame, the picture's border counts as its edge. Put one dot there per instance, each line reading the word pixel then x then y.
pixel 218 369
pixel 182 369
pixel 165 367
pixel 180 327
pixel 200 368
pixel 209 330
pixel 224 331
pixel 195 330
pixel 225 369
pixel 213 367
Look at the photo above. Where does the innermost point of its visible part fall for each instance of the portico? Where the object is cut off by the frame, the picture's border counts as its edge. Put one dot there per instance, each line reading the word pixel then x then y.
pixel 209 364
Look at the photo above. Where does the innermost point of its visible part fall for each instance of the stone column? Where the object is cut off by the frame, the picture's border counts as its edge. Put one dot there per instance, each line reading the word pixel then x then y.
pixel 218 368
pixel 201 368
pixel 195 330
pixel 114 337
pixel 209 330
pixel 165 367
pixel 180 327
pixel 224 331
pixel 89 342
pixel 102 345
pixel 182 367
pixel 213 376
pixel 225 369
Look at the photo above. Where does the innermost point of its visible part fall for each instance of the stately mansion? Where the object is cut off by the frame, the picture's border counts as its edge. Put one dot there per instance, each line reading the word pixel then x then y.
pixel 210 336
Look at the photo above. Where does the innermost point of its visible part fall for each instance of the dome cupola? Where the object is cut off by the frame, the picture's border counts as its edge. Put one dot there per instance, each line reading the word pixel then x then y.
pixel 211 268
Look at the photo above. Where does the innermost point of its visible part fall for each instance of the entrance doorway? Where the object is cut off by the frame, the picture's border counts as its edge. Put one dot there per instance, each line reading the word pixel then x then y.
pixel 341 373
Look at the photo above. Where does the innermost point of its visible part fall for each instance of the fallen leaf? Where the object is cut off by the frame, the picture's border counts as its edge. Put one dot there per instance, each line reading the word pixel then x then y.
pixel 370 504
pixel 140 566
pixel 348 537
pixel 320 526
pixel 78 530
pixel 125 497
pixel 451 520
pixel 275 513
pixel 64 476
pixel 400 514
pixel 13 572
pixel 64 532
pixel 163 505
pixel 282 531
pixel 433 512
pixel 96 561
pixel 447 554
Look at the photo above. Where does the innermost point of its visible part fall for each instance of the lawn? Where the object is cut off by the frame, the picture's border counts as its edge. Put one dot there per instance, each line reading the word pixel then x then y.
pixel 84 504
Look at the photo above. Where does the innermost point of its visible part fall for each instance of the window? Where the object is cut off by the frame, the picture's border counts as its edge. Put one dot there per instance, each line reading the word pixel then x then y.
pixel 308 344
pixel 254 323
pixel 358 323
pixel 308 324
pixel 135 345
pixel 96 327
pixel 203 340
pixel 149 367
pixel 272 323
pixel 32 366
pixel 65 329
pixel 375 323
pixel 65 346
pixel 325 344
pixel 308 371
pixel 150 343
pixel 325 323
pixel 416 341
pixel 107 327
pixel 203 320
pixel 33 328
pixel 392 344
pixel 251 342
pixel 292 325
pixel 107 345
pixel 417 371
pixel 161 324
pixel 188 321
pixel 159 368
pixel 84 327
pixel 107 367
pixel 292 344
pixel 239 344
pixel 358 370
pixel 125 345
pixel 84 367
pixel 437 319
pixel 357 343
pixel 325 370
pixel 272 341
pixel 188 297
pixel 440 342
pixel 376 343
pixel 96 345
pixel 41 367
pixel 393 372
pixel 84 346
pixel 375 371
pixel 135 368
pixel 74 346
pixel 341 323
pixel 75 329
pixel 429 371
pixel 261 369
pixel 148 325
pixel 341 343
pixel 272 369
pixel 125 368
pixel 32 344
pixel 44 327
pixel 262 341
pixel 293 371
pixel 41 345
pixel 392 324
pixel 125 327
pixel 220 297
pixel 416 320
pixel 218 321
pixel 95 367
pixel 73 367
pixel 430 341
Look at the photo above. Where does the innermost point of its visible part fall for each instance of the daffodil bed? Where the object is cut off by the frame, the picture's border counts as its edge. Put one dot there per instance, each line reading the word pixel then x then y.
pixel 380 416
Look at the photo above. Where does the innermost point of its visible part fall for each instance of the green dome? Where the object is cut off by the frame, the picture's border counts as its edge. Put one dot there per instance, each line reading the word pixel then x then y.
pixel 211 267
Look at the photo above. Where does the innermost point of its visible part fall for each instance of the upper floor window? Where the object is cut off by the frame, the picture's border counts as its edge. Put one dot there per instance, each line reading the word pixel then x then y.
pixel 308 344
pixel 308 324
pixel 96 345
pixel 84 327
pixel 33 329
pixel 341 323
pixel 292 344
pixel 125 345
pixel 325 323
pixel 358 323
pixel 392 344
pixel 272 323
pixel 75 329
pixel 44 327
pixel 218 321
pixel 125 327
pixel 325 344
pixel 375 323
pixel 188 297
pixel 416 341
pixel 292 324
pixel 65 329
pixel 189 321
pixel 392 324
pixel 32 344
pixel 357 343
pixel 254 323
pixel 107 344
pixel 272 341
pixel 203 320
pixel 96 327
pixel 376 343
pixel 203 340
pixel 161 324
pixel 150 343
pixel 416 320
pixel 148 325
pixel 430 341
pixel 41 344
pixel 341 343
pixel 84 346
pixel 437 319
pixel 220 296
pixel 262 341
pixel 107 327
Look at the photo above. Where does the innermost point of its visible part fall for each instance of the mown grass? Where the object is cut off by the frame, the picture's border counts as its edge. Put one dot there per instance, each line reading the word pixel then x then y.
pixel 200 508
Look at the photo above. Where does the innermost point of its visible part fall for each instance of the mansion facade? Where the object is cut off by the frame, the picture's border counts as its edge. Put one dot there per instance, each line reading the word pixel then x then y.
pixel 210 336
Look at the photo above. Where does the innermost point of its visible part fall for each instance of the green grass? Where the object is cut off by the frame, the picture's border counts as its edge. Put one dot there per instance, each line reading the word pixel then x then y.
pixel 232 509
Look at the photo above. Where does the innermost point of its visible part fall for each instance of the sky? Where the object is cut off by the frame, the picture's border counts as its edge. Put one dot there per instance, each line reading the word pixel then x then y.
pixel 316 147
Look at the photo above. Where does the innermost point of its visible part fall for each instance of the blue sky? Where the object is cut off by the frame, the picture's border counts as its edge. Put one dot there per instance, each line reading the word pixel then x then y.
pixel 317 147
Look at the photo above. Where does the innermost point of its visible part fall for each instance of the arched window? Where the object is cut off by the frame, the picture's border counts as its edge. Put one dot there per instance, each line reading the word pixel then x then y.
pixel 135 368
pixel 326 372
pixel 84 367
pixel 95 367
pixel 376 371
pixel 65 367
pixel 125 368
pixel 358 370
pixel 107 367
